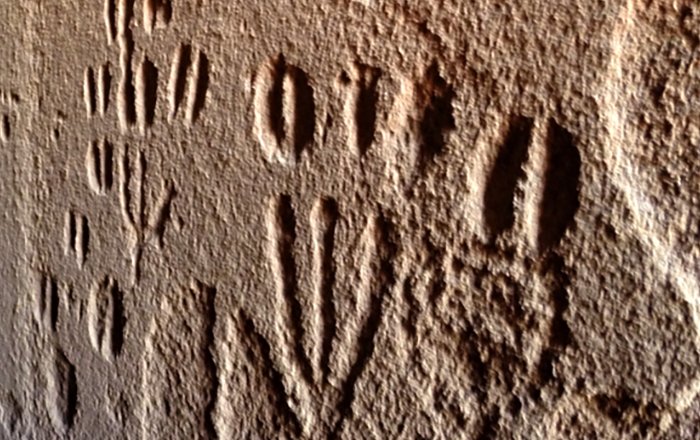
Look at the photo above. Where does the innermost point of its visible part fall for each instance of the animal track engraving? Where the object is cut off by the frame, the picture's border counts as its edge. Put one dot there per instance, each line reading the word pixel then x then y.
pixel 106 319
pixel 61 394
pixel 189 73
pixel 98 162
pixel 46 299
pixel 559 198
pixel 77 236
pixel 361 107
pixel 156 13
pixel 328 346
pixel 145 221
pixel 284 114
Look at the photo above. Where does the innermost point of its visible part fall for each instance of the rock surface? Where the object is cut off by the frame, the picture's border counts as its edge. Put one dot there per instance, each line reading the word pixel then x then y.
pixel 350 219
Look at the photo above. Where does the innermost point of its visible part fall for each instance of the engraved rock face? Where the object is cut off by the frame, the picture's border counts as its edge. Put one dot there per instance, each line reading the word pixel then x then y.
pixel 350 219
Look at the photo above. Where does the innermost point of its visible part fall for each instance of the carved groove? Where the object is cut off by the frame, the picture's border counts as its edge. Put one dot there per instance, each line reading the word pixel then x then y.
pixel 145 221
pixel 261 350
pixel 127 95
pixel 110 18
pixel 507 171
pixel 178 77
pixel 283 235
pixel 5 128
pixel 361 111
pixel 77 236
pixel 147 85
pixel 341 342
pixel 560 199
pixel 106 319
pixel 98 162
pixel 89 91
pixel 46 302
pixel 104 82
pixel 324 219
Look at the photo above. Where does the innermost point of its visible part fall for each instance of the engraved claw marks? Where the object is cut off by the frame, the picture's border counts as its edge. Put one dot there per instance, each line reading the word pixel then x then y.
pixel 189 73
pixel 77 236
pixel 61 394
pixel 99 166
pixel 326 345
pixel 156 13
pixel 46 299
pixel 557 201
pixel 361 106
pixel 106 319
pixel 284 113
pixel 145 221
pixel 96 90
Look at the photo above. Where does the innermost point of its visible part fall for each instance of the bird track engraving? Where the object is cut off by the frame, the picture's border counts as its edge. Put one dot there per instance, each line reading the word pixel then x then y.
pixel 284 113
pixel 145 220
pixel 324 345
pixel 105 315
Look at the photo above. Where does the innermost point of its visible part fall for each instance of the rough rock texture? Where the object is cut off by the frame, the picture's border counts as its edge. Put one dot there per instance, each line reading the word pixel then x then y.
pixel 350 219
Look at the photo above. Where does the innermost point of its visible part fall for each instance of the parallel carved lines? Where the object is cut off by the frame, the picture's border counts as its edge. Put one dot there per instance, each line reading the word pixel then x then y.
pixel 189 75
pixel 96 87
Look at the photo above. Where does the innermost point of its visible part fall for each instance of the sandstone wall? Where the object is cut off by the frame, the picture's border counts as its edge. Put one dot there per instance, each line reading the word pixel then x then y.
pixel 350 219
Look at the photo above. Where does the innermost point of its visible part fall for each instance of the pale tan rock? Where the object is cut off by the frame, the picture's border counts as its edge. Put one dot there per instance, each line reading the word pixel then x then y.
pixel 350 219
